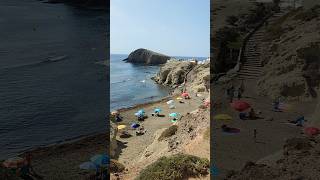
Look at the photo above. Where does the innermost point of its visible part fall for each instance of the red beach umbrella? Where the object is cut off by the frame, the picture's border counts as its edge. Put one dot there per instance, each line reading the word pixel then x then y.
pixel 184 94
pixel 240 105
pixel 311 131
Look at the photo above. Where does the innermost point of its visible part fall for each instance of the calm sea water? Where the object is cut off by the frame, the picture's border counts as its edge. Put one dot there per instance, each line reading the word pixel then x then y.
pixel 130 84
pixel 40 102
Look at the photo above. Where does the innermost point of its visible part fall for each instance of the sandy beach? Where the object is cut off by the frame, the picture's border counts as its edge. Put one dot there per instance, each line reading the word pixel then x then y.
pixel 232 151
pixel 132 150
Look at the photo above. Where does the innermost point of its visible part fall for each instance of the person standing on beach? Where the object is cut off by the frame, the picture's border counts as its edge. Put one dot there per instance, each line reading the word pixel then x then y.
pixel 231 93
pixel 255 135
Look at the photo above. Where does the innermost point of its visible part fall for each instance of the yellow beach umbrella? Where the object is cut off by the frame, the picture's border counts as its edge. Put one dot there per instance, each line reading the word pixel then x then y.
pixel 121 127
pixel 223 117
pixel 179 98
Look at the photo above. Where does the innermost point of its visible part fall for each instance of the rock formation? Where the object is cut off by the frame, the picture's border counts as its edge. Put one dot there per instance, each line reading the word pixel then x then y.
pixel 291 57
pixel 174 73
pixel 146 56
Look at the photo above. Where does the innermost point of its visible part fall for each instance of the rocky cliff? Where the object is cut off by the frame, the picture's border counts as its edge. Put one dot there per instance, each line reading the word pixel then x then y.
pixel 291 56
pixel 146 56
pixel 174 73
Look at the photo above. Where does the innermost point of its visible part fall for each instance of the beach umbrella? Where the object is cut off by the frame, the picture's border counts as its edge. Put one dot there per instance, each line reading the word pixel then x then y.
pixel 88 166
pixel 100 159
pixel 141 111
pixel 179 98
pixel 121 127
pixel 157 110
pixel 13 162
pixel 240 105
pixel 135 125
pixel 184 94
pixel 174 115
pixel 311 131
pixel 223 117
pixel 170 102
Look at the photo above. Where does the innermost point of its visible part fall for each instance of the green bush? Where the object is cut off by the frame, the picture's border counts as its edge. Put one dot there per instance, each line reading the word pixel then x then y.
pixel 168 132
pixel 176 167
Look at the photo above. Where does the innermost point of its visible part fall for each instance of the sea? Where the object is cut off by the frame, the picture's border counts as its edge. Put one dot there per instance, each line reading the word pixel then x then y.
pixel 131 84
pixel 52 87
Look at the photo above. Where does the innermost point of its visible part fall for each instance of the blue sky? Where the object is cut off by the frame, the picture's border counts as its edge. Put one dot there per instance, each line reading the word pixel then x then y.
pixel 172 27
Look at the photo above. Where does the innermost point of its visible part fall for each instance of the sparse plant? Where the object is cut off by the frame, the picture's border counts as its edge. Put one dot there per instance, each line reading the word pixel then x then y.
pixel 168 132
pixel 175 167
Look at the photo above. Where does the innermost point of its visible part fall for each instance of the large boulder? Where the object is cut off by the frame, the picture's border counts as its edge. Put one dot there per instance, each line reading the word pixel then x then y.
pixel 146 56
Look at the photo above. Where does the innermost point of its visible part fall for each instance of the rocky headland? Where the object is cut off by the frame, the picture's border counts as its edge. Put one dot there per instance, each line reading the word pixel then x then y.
pixel 145 56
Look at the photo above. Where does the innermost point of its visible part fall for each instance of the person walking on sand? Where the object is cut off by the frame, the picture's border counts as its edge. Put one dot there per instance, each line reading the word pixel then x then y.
pixel 255 135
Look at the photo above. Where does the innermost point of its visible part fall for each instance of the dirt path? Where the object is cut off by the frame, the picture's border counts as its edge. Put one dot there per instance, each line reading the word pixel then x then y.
pixel 232 151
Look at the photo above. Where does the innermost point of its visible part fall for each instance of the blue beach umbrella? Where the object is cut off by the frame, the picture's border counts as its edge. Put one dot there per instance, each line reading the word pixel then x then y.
pixel 135 125
pixel 141 112
pixel 100 160
pixel 157 110
pixel 88 166
pixel 174 115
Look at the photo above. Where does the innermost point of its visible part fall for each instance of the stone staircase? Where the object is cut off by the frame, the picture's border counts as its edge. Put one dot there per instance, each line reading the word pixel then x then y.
pixel 251 67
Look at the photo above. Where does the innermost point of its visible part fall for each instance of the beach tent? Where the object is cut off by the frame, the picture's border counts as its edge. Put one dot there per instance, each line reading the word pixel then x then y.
pixel 100 160
pixel 157 110
pixel 222 117
pixel 121 127
pixel 88 166
pixel 311 131
pixel 172 106
pixel 240 105
pixel 135 125
pixel 184 94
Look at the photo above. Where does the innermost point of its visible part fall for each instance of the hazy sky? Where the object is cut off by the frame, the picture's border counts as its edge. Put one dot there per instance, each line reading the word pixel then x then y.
pixel 172 27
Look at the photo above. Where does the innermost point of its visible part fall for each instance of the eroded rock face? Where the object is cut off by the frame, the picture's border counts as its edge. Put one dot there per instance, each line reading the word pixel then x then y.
pixel 145 56
pixel 292 60
pixel 173 72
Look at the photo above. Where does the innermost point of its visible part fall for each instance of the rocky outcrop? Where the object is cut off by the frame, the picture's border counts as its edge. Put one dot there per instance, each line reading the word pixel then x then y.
pixel 146 56
pixel 174 72
pixel 291 57
pixel 113 141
